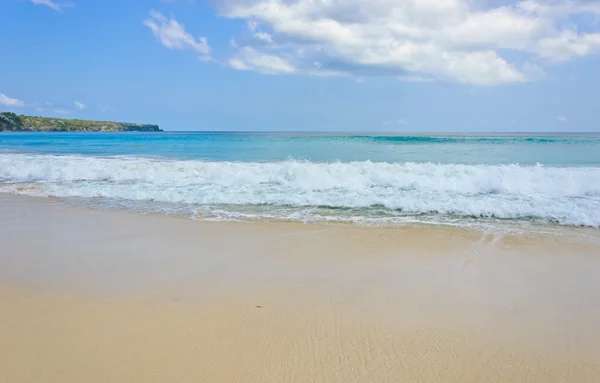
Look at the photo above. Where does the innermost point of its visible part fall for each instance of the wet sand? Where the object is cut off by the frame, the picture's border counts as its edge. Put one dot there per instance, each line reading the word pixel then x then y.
pixel 102 296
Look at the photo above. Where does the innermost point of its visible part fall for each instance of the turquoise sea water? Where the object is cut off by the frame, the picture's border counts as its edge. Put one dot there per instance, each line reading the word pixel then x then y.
pixel 557 149
pixel 364 179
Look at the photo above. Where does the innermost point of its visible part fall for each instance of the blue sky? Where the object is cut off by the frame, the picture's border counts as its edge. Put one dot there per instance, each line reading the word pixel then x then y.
pixel 361 65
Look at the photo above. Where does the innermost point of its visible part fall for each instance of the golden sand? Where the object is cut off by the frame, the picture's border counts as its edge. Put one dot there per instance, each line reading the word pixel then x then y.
pixel 61 338
pixel 94 296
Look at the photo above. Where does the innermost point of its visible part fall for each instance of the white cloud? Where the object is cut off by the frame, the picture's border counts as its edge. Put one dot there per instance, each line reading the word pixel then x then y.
pixel 263 37
pixel 49 3
pixel 464 41
pixel 560 7
pixel 562 119
pixel 7 101
pixel 79 105
pixel 251 59
pixel 173 35
pixel 61 111
pixel 567 45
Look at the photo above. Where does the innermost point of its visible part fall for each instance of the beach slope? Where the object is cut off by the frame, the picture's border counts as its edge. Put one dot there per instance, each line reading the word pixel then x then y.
pixel 101 296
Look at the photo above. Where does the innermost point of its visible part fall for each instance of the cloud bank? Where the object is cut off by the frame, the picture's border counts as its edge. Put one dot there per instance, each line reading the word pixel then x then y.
pixel 479 42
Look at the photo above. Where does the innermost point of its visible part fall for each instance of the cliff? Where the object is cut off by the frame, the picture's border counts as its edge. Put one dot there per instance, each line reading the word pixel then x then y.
pixel 14 123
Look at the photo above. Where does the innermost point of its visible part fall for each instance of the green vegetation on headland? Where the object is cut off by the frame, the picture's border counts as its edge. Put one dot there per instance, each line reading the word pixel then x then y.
pixel 10 122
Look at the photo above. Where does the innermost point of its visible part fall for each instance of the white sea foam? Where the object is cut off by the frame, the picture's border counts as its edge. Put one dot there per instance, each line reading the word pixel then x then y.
pixel 569 196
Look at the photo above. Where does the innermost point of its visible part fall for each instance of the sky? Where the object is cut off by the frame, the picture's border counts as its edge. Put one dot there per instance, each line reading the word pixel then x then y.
pixel 306 65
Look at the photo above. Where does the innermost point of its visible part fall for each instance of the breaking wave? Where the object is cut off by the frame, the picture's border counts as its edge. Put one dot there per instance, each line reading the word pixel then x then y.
pixel 307 190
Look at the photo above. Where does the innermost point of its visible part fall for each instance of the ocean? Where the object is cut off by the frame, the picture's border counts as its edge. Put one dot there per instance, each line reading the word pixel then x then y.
pixel 489 181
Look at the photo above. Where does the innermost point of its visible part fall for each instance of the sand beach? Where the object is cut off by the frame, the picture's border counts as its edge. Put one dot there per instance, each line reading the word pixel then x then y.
pixel 98 296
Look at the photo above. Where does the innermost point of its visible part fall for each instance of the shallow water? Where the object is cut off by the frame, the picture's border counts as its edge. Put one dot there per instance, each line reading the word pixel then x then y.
pixel 502 181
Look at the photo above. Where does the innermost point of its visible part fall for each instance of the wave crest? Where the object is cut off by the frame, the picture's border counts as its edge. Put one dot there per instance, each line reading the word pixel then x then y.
pixel 568 196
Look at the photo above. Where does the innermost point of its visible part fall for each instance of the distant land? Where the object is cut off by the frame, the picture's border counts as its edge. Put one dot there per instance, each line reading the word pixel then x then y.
pixel 11 122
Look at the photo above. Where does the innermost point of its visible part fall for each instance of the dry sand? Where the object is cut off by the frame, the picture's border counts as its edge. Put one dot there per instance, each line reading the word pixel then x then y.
pixel 96 296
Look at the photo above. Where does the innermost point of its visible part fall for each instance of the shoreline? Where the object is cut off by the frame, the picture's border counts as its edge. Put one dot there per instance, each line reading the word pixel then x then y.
pixel 94 295
pixel 484 227
pixel 504 198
